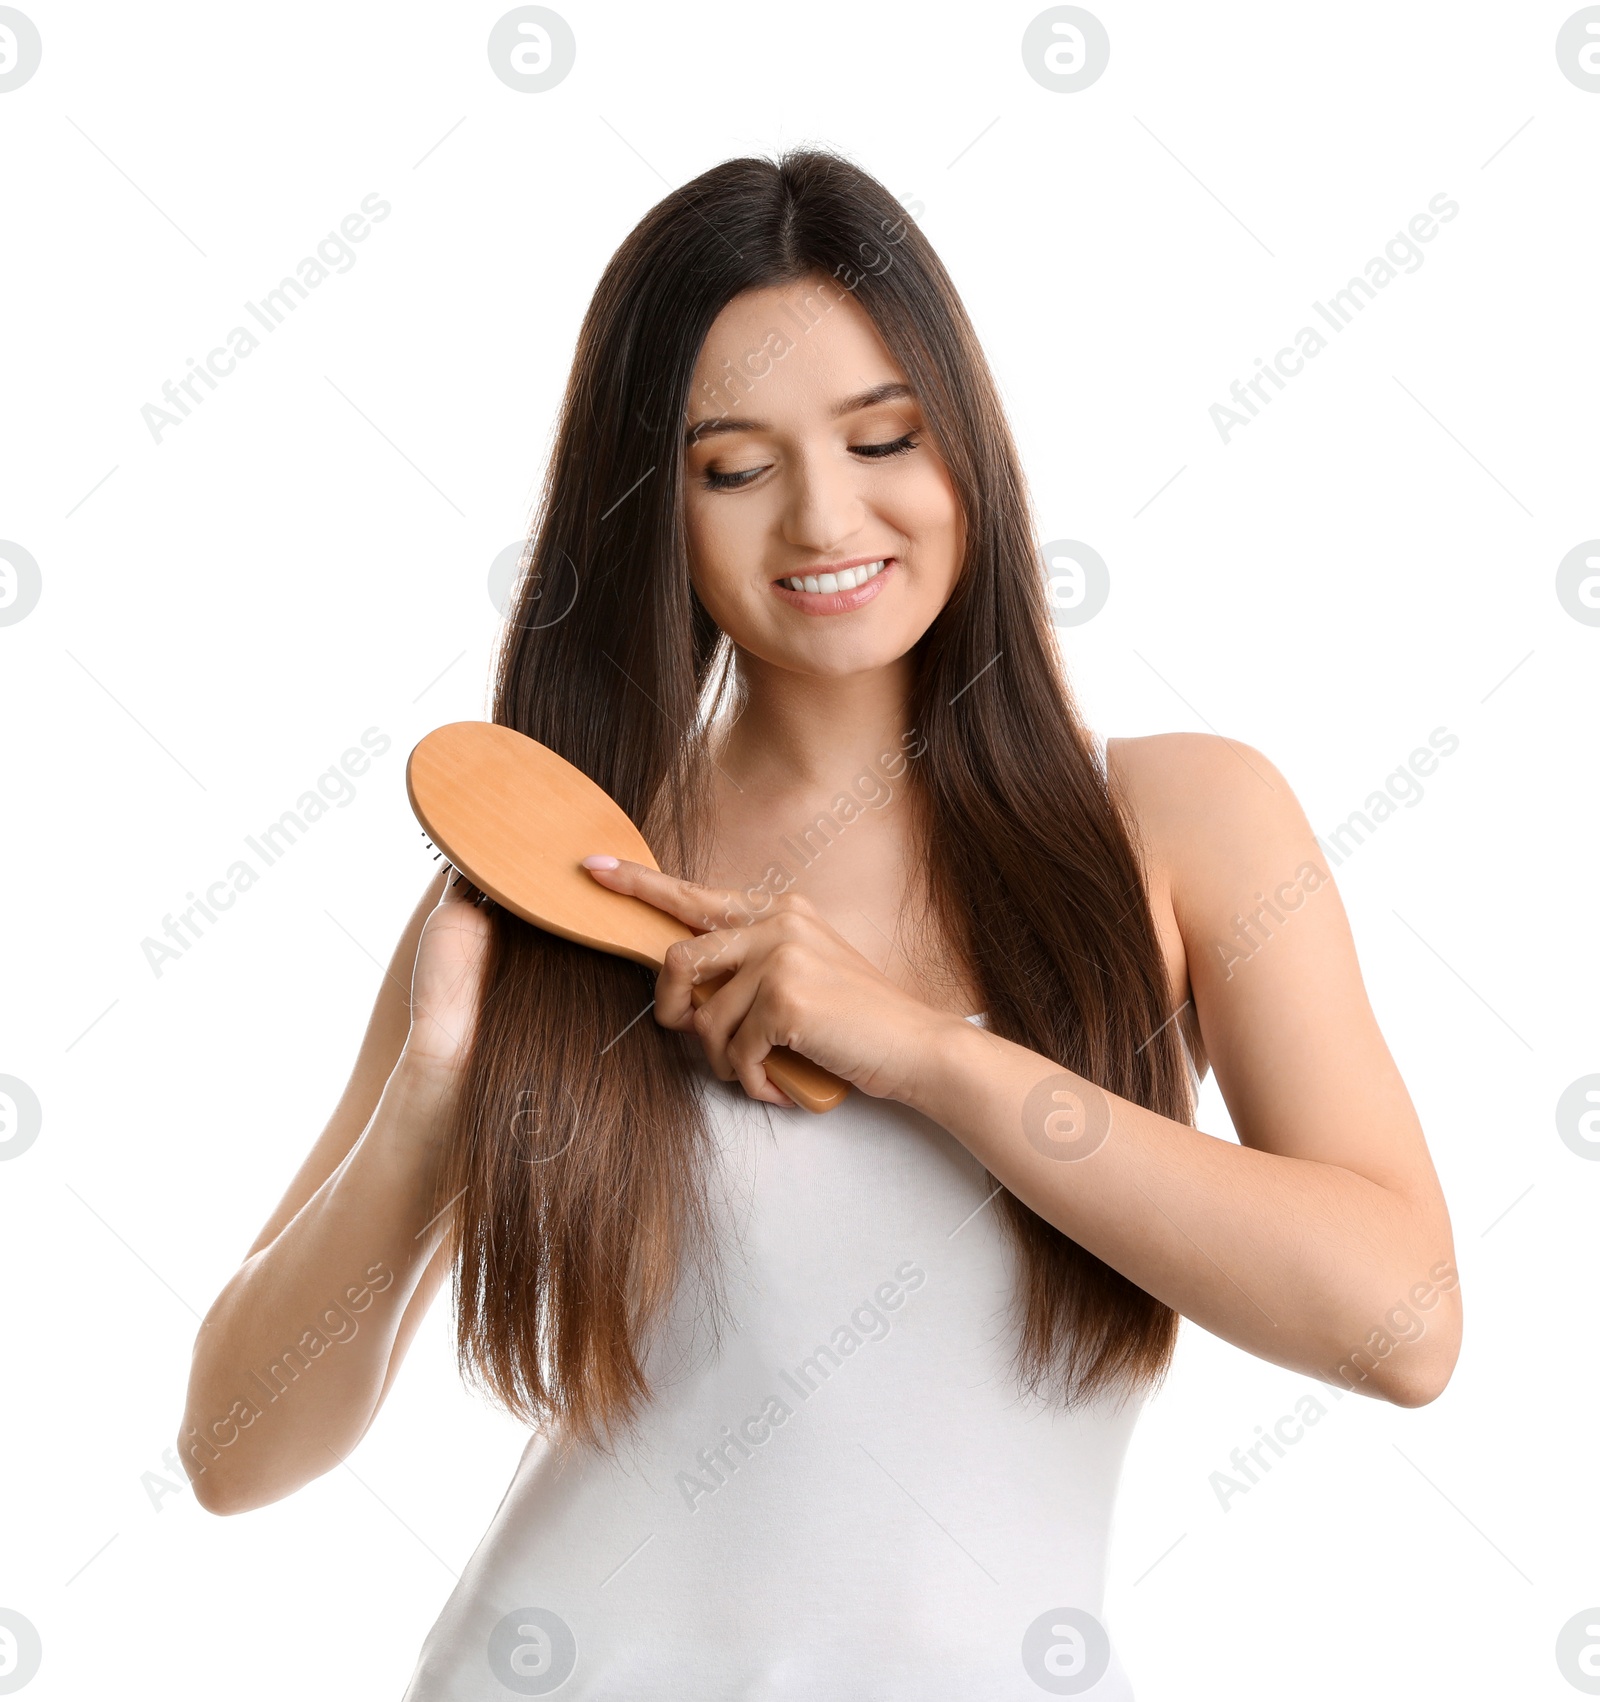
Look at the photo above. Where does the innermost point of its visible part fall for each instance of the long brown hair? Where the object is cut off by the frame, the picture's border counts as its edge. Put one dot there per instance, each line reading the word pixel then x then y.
pixel 579 1156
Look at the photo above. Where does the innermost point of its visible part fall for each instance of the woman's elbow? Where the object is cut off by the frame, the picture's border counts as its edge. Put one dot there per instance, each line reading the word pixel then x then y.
pixel 222 1483
pixel 1422 1377
pixel 212 1489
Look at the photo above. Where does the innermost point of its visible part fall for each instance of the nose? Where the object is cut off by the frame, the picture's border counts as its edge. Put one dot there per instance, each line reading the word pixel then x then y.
pixel 823 506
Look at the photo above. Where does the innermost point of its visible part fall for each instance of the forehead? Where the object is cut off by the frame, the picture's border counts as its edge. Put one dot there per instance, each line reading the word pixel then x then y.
pixel 801 346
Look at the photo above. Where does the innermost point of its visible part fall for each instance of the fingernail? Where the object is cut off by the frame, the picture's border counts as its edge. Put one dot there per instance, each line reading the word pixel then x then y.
pixel 600 862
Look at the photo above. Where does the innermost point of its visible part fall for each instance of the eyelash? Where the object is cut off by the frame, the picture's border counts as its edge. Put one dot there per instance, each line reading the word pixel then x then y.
pixel 870 451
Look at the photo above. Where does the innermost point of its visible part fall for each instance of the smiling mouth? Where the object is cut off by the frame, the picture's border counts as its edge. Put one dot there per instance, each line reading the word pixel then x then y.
pixel 846 579
pixel 845 587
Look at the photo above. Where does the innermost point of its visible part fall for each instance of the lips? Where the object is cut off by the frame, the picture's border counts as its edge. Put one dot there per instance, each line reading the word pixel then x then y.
pixel 868 584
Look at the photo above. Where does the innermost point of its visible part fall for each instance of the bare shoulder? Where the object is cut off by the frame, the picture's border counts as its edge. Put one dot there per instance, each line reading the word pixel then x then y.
pixel 1182 783
pixel 1213 818
pixel 1207 807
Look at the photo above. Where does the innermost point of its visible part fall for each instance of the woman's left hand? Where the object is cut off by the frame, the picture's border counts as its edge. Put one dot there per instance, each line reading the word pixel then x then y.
pixel 793 981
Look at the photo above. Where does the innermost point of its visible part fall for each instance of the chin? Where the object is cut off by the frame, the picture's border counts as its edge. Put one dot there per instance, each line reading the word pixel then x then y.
pixel 827 657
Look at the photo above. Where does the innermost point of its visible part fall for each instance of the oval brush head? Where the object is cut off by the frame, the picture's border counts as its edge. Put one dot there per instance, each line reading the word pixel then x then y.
pixel 516 820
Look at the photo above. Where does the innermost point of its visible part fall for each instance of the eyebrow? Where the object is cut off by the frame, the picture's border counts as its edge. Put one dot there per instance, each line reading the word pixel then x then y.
pixel 879 393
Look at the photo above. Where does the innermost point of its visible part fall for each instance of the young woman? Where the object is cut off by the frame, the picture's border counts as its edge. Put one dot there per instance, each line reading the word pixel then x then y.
pixel 831 1405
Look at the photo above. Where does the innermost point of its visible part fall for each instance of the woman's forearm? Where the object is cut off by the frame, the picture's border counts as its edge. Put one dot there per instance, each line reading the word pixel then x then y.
pixel 290 1361
pixel 1308 1265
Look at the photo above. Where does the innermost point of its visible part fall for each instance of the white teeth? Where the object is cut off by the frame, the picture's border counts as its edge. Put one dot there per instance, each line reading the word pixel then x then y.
pixel 848 580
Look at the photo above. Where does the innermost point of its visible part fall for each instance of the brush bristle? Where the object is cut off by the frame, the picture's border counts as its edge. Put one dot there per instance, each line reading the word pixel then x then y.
pixel 456 876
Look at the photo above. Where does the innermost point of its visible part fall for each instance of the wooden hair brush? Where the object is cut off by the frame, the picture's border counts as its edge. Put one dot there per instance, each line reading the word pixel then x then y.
pixel 516 820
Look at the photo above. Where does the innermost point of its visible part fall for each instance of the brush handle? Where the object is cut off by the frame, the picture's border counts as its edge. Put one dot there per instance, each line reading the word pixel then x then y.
pixel 807 1084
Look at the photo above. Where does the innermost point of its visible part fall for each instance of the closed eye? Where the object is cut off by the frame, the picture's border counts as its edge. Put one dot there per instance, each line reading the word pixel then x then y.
pixel 867 451
pixel 878 451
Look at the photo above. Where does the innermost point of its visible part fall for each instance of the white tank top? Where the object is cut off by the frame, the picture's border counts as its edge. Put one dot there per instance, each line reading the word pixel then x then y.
pixel 850 1499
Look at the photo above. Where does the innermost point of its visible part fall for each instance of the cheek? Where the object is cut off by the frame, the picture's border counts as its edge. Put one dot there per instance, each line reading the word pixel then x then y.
pixel 929 513
pixel 720 543
pixel 706 535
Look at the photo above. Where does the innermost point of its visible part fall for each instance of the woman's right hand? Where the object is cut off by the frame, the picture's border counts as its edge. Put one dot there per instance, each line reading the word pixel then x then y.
pixel 447 983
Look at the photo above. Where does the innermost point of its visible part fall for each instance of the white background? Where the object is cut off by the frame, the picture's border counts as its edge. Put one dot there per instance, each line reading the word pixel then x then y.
pixel 224 613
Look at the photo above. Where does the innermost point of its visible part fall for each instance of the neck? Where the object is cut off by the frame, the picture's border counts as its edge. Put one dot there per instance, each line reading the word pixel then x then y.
pixel 805 732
